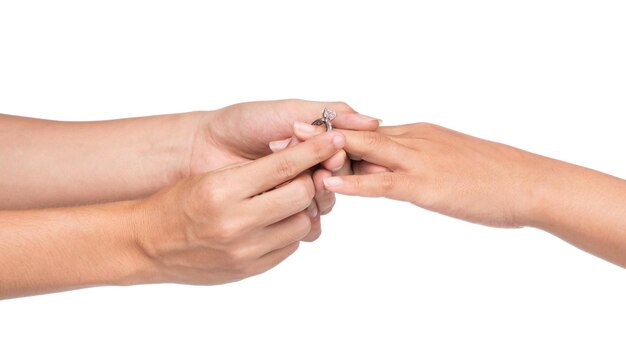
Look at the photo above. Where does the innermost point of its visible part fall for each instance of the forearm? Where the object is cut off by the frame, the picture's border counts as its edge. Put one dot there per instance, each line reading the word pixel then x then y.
pixel 51 250
pixel 51 163
pixel 585 208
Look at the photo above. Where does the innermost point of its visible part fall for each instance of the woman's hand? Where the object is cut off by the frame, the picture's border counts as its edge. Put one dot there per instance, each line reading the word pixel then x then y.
pixel 489 183
pixel 445 171
pixel 237 221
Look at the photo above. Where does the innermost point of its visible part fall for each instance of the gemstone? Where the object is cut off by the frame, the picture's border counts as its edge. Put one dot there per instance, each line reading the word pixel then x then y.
pixel 329 114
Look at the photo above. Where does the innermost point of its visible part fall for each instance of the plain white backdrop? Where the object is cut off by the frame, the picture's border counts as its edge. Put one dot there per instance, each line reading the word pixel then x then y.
pixel 386 277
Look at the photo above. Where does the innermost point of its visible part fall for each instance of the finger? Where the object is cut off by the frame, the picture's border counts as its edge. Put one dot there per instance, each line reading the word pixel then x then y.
pixel 316 230
pixel 394 130
pixel 281 234
pixel 282 202
pixel 336 162
pixel 378 148
pixel 365 167
pixel 277 146
pixel 347 117
pixel 308 111
pixel 354 157
pixel 325 199
pixel 356 121
pixel 265 173
pixel 272 259
pixel 304 131
pixel 391 185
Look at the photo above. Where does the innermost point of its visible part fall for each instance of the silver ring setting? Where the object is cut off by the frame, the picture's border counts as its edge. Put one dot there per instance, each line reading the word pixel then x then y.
pixel 327 116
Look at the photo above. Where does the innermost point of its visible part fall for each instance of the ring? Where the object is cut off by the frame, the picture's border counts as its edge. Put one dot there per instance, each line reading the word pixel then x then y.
pixel 327 116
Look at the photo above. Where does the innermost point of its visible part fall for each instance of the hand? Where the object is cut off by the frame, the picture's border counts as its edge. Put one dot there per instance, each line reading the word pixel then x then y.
pixel 237 221
pixel 243 132
pixel 444 171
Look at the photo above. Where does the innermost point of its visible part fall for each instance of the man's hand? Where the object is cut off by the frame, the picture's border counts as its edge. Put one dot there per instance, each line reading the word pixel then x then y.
pixel 237 221
pixel 242 132
pixel 248 131
pixel 212 228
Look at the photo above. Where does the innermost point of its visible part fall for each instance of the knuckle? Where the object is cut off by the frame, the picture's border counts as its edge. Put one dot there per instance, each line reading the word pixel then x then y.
pixel 314 233
pixel 304 225
pixel 427 127
pixel 372 140
pixel 320 149
pixel 304 190
pixel 285 168
pixel 236 258
pixel 212 192
pixel 227 230
pixel 327 205
pixel 386 183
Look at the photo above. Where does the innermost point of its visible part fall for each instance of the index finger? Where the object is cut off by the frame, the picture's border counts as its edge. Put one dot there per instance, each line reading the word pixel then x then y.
pixel 270 171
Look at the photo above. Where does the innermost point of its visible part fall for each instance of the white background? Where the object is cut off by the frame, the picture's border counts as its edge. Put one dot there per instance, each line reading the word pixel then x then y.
pixel 386 277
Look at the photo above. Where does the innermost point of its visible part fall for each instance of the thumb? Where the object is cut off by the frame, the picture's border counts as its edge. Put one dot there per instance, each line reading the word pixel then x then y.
pixel 277 146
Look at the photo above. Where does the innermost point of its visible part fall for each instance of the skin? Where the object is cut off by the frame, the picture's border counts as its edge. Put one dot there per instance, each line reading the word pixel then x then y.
pixel 186 212
pixel 205 229
pixel 49 163
pixel 487 183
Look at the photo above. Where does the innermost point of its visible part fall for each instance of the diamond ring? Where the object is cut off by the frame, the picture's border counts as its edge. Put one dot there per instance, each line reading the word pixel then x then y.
pixel 327 116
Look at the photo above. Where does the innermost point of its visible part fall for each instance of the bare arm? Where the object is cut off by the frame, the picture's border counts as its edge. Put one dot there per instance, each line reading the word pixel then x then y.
pixel 61 249
pixel 489 183
pixel 208 229
pixel 51 163
pixel 47 163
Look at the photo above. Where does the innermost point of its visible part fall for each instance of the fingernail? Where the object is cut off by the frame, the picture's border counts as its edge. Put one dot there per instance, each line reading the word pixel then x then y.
pixel 303 127
pixel 333 181
pixel 276 146
pixel 339 141
pixel 311 211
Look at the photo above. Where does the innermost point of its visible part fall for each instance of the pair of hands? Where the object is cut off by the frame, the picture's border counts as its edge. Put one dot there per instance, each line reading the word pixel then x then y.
pixel 243 210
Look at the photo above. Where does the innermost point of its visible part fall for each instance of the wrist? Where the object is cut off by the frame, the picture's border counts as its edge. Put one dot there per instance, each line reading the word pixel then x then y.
pixel 157 225
pixel 543 186
pixel 133 266
pixel 178 136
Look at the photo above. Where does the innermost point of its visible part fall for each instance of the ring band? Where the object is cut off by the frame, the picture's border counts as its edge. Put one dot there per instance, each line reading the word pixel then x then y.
pixel 327 116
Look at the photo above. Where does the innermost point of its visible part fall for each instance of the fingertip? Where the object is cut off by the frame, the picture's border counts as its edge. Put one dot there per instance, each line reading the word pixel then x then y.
pixel 339 140
pixel 312 211
pixel 333 182
pixel 277 146
pixel 318 179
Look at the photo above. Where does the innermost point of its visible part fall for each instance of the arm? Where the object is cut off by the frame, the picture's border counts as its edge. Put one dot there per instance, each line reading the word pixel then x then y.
pixel 208 229
pixel 53 250
pixel 51 163
pixel 489 183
